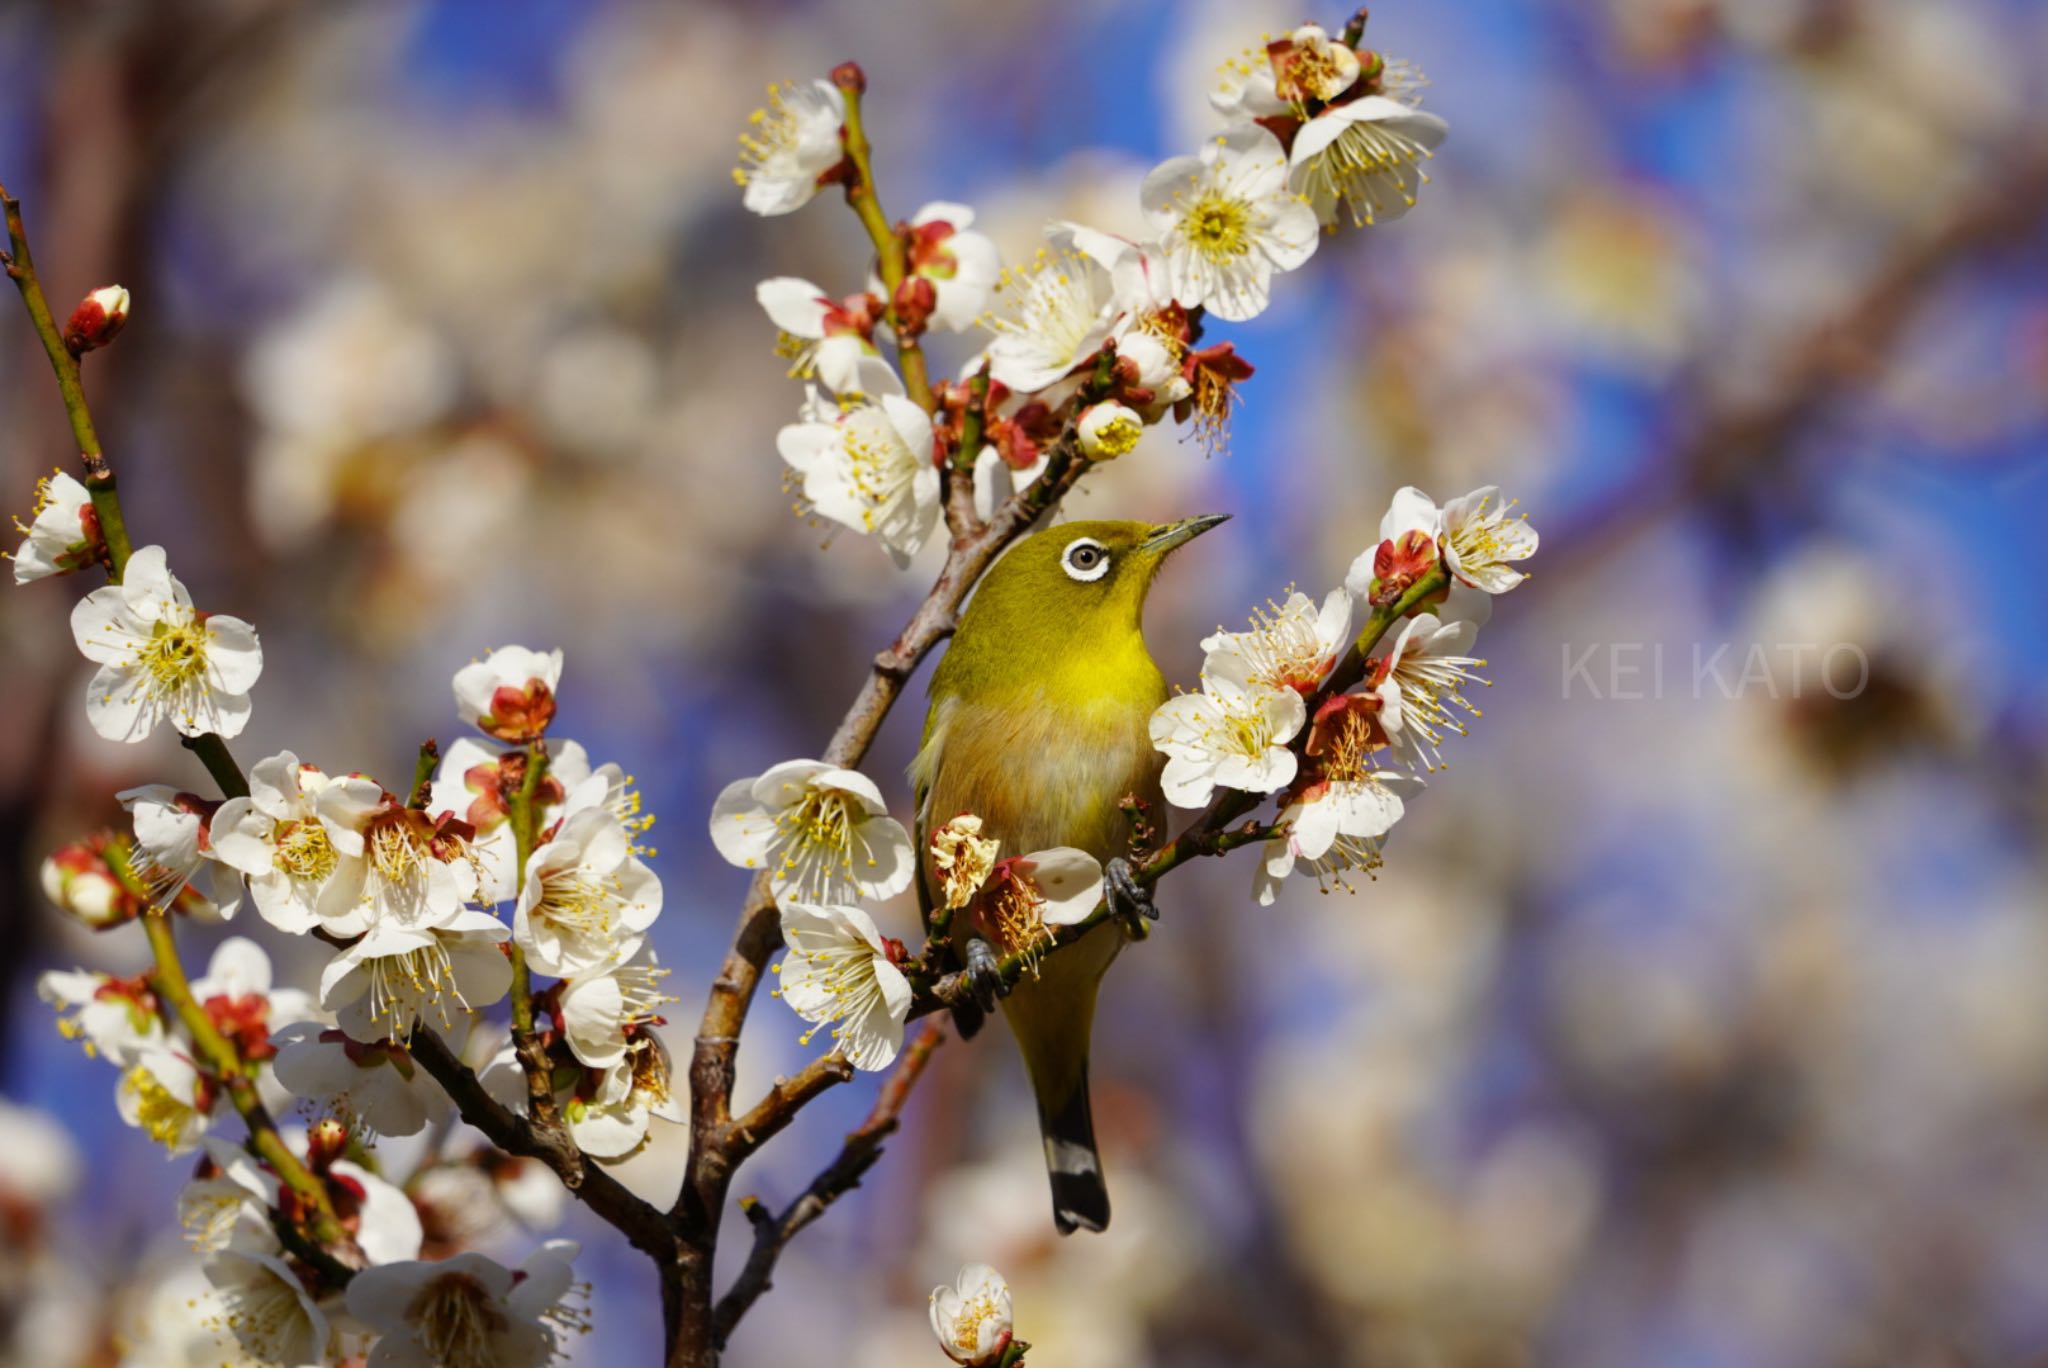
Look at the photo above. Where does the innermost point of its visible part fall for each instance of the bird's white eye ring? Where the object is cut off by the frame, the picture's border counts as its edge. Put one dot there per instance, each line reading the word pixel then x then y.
pixel 1085 560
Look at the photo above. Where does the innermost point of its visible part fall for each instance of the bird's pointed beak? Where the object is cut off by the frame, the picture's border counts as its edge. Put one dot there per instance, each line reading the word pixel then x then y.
pixel 1169 535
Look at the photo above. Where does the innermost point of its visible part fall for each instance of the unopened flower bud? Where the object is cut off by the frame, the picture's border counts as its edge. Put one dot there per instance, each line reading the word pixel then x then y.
pixel 1109 430
pixel 916 297
pixel 849 77
pixel 80 881
pixel 98 317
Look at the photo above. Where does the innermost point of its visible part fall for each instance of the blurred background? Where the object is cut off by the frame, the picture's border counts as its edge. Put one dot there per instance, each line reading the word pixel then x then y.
pixel 1698 1017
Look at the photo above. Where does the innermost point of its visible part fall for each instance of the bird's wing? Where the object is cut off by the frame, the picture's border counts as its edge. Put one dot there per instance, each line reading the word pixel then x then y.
pixel 924 770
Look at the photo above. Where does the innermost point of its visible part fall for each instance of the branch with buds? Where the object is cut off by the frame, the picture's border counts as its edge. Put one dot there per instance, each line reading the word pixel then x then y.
pixel 1093 343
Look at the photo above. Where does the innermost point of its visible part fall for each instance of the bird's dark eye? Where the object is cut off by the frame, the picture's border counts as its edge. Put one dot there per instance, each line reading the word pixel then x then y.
pixel 1085 560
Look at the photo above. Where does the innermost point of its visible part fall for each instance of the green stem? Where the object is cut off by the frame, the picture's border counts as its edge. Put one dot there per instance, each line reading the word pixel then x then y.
pixel 893 262
pixel 540 1086
pixel 973 423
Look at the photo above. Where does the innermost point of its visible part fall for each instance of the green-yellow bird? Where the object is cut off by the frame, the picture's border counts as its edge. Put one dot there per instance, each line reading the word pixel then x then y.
pixel 1039 726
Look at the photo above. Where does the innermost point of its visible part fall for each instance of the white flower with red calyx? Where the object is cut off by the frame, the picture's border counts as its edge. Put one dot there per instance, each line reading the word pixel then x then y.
pixel 84 879
pixel 1138 283
pixel 1227 222
pixel 792 147
pixel 274 837
pixel 1480 540
pixel 1365 157
pixel 236 991
pixel 376 1087
pixel 1418 676
pixel 604 1010
pixel 827 338
pixel 1408 549
pixel 160 659
pixel 96 321
pixel 961 265
pixel 1018 433
pixel 1229 736
pixel 1027 896
pixel 972 1318
pixel 385 1222
pixel 1311 67
pixel 62 535
pixel 840 972
pixel 823 833
pixel 587 900
pixel 167 1098
pixel 1050 316
pixel 1108 430
pixel 509 695
pixel 398 975
pixel 228 1199
pixel 869 467
pixel 173 860
pixel 119 1018
pixel 397 863
pixel 479 786
pixel 471 1311
pixel 1292 645
pixel 265 1309
pixel 1334 826
pixel 610 1114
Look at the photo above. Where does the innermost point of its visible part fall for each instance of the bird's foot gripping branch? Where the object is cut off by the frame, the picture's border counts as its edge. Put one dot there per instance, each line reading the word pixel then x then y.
pixel 488 923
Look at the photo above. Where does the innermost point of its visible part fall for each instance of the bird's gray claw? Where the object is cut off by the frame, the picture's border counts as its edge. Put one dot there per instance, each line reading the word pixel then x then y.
pixel 984 974
pixel 1129 901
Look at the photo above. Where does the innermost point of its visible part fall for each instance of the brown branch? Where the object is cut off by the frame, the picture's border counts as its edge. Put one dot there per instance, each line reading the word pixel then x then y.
pixel 639 1221
pixel 788 1097
pixel 863 1147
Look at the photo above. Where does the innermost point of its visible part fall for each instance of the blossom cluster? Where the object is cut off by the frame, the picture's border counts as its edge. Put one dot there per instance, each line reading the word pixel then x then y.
pixel 1097 336
pixel 1243 729
pixel 402 891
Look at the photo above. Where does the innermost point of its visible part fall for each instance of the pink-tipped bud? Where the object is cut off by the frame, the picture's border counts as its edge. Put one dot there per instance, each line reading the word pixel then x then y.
pixel 98 317
pixel 82 883
pixel 850 78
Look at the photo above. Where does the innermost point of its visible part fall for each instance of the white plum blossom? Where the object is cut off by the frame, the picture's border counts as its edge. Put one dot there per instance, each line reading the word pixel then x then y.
pixel 117 1018
pixel 839 973
pixel 1227 222
pixel 790 144
pixel 823 833
pixel 375 1085
pixel 1293 645
pixel 963 858
pixel 172 850
pixel 1333 826
pixel 396 864
pixel 972 1318
pixel 1480 540
pixel 478 785
pixel 603 1010
pixel 470 1311
pixel 1418 675
pixel 588 899
pixel 160 660
pixel 165 1097
pixel 237 988
pixel 63 533
pixel 1227 735
pixel 232 1202
pixel 1050 316
pixel 264 1308
pixel 612 1121
pixel 826 337
pixel 870 468
pixel 1364 157
pixel 1026 897
pixel 963 266
pixel 510 693
pixel 275 838
pixel 398 975
pixel 995 480
pixel 1108 430
pixel 388 1228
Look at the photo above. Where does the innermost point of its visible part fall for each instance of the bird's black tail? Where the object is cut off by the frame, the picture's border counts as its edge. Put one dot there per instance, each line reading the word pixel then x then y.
pixel 1080 1200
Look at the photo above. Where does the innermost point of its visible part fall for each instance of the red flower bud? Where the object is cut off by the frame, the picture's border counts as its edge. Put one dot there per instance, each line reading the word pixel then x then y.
pixel 850 78
pixel 98 317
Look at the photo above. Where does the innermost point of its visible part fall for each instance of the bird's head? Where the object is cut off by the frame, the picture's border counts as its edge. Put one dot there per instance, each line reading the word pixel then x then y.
pixel 1083 580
